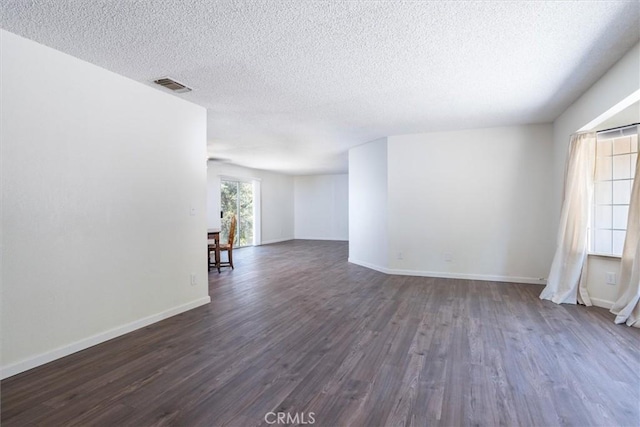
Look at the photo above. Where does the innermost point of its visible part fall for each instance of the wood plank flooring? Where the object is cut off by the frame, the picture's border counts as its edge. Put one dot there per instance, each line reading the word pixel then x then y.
pixel 295 329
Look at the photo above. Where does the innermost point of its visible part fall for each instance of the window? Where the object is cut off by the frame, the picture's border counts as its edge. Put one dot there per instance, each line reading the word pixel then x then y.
pixel 237 199
pixel 616 158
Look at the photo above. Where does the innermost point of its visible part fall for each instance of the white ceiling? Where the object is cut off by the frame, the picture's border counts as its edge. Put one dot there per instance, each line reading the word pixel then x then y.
pixel 291 85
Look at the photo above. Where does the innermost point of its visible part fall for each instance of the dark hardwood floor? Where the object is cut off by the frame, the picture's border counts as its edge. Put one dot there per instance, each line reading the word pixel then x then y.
pixel 295 329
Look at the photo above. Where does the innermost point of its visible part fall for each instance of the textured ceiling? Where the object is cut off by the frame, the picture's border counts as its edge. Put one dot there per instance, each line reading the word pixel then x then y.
pixel 291 85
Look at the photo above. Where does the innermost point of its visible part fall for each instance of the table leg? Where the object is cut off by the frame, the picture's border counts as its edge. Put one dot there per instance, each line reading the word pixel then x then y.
pixel 217 252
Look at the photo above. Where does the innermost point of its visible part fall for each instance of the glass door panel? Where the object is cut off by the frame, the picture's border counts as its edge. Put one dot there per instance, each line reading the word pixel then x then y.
pixel 236 198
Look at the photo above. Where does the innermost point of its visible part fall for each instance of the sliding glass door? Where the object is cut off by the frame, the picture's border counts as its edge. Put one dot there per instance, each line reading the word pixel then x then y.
pixel 236 198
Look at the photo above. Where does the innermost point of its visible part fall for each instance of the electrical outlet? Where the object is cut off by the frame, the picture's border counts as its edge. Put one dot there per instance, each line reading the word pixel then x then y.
pixel 447 257
pixel 194 280
pixel 611 278
pixel 400 255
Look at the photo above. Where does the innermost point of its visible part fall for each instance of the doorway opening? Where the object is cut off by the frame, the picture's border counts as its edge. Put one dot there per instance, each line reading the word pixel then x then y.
pixel 237 198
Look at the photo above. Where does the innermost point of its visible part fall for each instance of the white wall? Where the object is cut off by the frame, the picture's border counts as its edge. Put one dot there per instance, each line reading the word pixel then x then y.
pixel 479 197
pixel 277 208
pixel 99 174
pixel 322 207
pixel 368 205
pixel 601 293
pixel 622 80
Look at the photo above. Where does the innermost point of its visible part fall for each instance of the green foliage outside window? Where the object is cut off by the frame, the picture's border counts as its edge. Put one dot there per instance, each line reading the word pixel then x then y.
pixel 237 199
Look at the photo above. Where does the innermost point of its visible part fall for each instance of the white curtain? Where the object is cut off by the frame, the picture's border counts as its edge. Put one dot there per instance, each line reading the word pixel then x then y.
pixel 626 308
pixel 566 282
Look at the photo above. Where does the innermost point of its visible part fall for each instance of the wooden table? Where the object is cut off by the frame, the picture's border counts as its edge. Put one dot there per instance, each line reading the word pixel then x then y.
pixel 213 237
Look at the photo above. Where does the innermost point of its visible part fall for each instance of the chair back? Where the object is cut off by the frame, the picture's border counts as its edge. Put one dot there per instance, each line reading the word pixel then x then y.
pixel 232 230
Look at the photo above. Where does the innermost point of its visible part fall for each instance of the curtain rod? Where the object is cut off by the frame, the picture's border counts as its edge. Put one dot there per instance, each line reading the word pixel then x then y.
pixel 618 127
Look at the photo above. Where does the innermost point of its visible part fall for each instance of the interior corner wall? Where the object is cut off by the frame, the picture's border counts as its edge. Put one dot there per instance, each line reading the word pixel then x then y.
pixel 277 199
pixel 471 204
pixel 103 204
pixel 616 84
pixel 368 205
pixel 321 207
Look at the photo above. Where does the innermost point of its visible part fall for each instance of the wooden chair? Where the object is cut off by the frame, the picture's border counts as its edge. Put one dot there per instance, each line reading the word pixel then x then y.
pixel 228 247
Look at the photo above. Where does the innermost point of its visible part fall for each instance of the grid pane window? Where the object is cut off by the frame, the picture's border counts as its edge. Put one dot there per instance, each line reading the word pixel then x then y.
pixel 615 169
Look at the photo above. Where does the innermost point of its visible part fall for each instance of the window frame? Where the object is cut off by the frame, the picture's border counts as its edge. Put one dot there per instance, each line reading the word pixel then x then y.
pixel 629 131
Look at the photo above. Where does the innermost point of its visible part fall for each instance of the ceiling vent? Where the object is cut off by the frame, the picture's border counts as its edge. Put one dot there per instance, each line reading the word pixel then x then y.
pixel 172 85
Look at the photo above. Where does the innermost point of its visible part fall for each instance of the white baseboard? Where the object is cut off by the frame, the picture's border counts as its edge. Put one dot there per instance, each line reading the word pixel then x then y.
pixel 466 276
pixel 448 275
pixel 599 302
pixel 268 242
pixel 333 239
pixel 369 265
pixel 49 356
